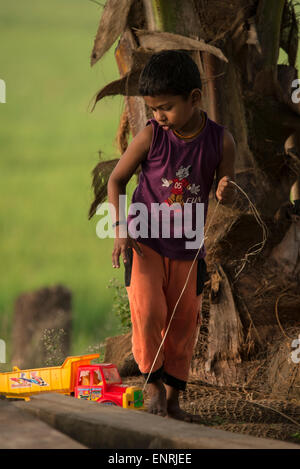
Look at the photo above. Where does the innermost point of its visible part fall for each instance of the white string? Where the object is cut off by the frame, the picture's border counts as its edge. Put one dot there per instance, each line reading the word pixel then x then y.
pixel 264 230
pixel 184 287
pixel 262 243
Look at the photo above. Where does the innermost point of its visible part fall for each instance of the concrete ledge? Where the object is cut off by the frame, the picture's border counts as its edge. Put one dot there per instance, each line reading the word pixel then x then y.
pixel 20 430
pixel 98 426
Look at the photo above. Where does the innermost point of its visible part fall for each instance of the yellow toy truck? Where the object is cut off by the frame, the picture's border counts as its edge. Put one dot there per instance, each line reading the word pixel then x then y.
pixel 77 377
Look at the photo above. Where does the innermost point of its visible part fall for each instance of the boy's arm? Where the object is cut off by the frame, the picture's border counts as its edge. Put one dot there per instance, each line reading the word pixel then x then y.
pixel 116 186
pixel 226 191
pixel 125 168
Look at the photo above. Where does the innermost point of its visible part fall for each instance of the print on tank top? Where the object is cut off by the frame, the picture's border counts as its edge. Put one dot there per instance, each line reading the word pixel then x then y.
pixel 180 187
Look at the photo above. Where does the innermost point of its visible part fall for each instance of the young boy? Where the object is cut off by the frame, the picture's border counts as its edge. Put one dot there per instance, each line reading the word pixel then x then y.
pixel 179 150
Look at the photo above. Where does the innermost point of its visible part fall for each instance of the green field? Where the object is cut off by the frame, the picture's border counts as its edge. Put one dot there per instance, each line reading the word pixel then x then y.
pixel 49 145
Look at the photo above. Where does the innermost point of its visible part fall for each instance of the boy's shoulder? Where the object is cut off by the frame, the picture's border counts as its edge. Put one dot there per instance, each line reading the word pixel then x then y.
pixel 214 124
pixel 143 138
pixel 147 130
pixel 148 136
pixel 227 135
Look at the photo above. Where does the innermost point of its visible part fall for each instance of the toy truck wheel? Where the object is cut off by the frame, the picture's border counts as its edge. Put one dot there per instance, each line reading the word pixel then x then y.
pixel 107 402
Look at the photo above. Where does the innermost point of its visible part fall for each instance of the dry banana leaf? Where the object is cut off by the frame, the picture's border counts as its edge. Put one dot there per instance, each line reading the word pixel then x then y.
pixel 157 41
pixel 101 174
pixel 112 24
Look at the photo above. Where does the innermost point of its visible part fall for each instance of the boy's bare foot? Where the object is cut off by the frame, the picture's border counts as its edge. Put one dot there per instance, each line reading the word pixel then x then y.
pixel 176 413
pixel 158 401
pixel 173 409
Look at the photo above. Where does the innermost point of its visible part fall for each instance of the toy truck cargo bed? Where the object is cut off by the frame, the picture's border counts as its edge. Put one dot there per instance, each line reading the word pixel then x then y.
pixel 61 379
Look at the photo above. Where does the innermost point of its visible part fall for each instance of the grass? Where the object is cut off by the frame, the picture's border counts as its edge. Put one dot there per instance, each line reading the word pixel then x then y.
pixel 49 145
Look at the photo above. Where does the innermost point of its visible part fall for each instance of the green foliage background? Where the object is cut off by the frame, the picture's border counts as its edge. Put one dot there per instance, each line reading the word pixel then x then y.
pixel 49 144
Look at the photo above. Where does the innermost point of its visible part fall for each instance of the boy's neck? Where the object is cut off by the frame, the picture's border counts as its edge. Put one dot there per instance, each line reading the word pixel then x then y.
pixel 193 124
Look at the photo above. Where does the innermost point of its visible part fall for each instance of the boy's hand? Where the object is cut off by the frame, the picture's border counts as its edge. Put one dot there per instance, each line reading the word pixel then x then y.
pixel 121 245
pixel 225 191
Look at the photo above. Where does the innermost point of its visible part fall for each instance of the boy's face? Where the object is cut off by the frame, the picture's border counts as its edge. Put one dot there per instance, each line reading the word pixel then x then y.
pixel 173 112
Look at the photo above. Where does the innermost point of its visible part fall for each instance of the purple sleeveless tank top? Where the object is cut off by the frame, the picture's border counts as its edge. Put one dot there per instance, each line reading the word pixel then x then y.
pixel 174 172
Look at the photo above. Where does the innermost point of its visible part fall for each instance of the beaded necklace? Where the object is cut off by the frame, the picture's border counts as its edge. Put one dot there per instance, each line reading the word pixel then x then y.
pixel 203 120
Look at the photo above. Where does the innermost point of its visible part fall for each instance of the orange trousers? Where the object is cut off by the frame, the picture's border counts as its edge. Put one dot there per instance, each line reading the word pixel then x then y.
pixel 154 286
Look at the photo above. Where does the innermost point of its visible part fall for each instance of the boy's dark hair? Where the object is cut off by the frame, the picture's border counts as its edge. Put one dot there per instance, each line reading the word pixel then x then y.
pixel 169 72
